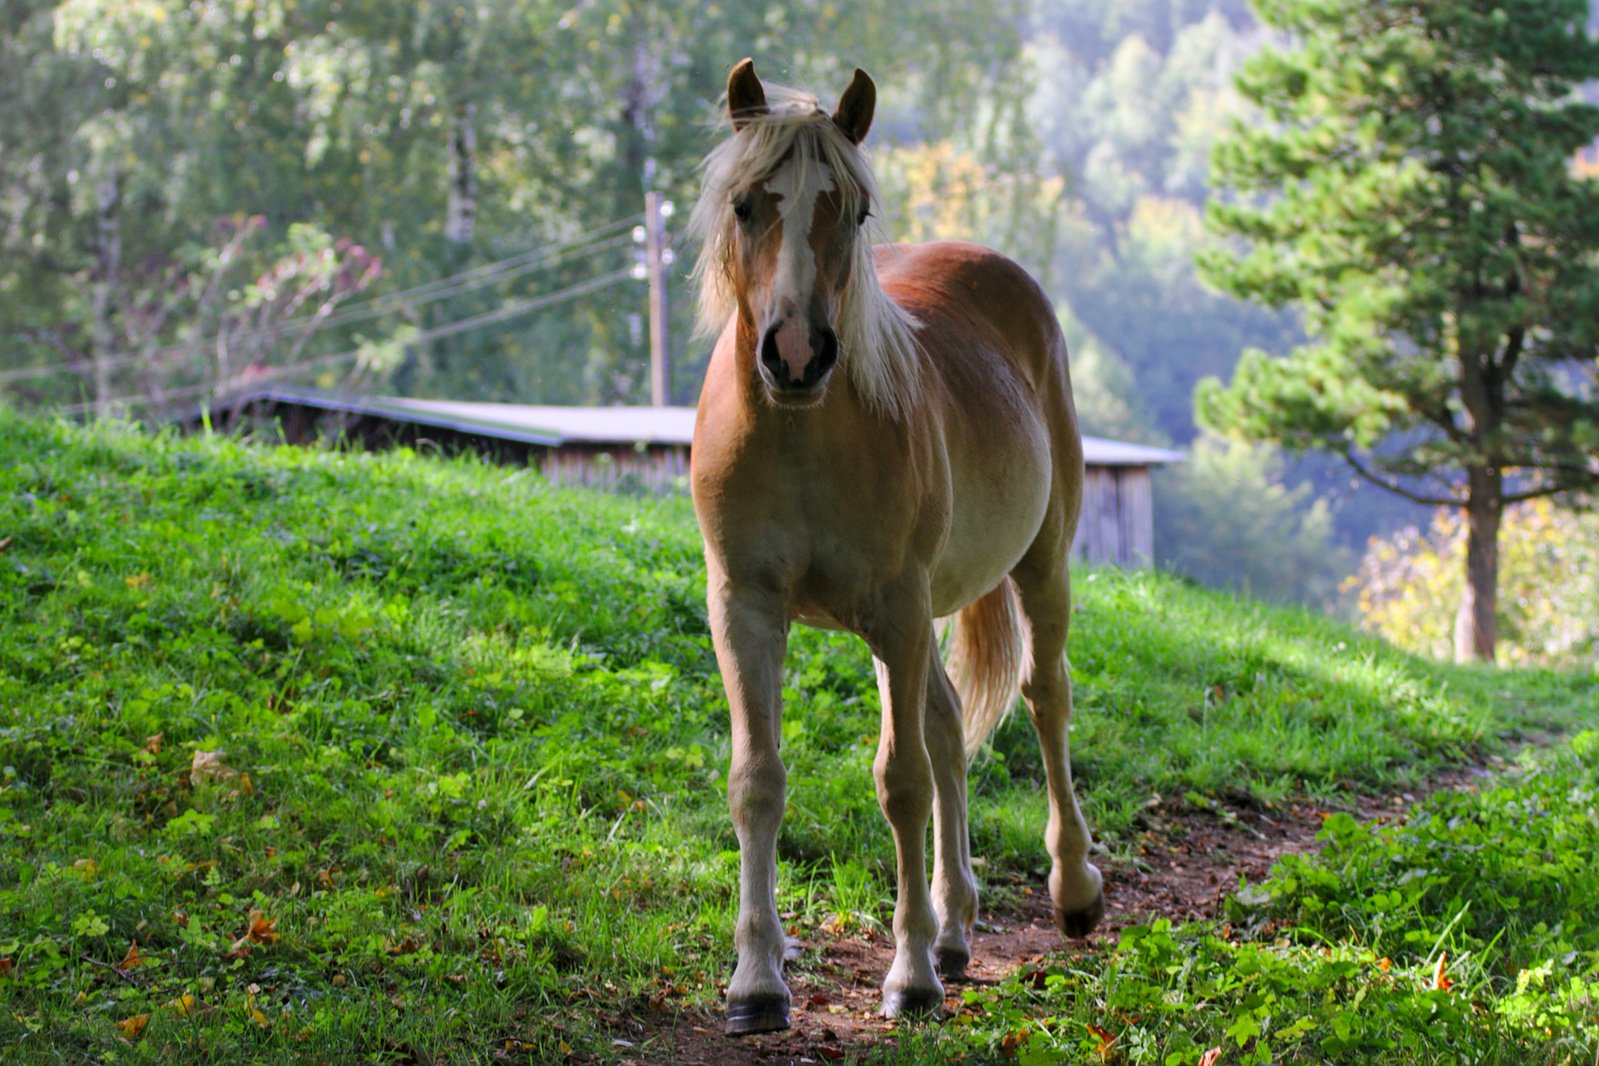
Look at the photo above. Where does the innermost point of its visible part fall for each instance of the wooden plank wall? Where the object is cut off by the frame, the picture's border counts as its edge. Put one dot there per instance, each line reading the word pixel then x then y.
pixel 649 470
pixel 1117 527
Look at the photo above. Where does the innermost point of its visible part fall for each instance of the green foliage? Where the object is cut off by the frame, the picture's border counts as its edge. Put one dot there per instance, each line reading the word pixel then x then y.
pixel 1409 583
pixel 378 756
pixel 1228 519
pixel 1408 185
pixel 1129 121
pixel 364 118
pixel 1460 935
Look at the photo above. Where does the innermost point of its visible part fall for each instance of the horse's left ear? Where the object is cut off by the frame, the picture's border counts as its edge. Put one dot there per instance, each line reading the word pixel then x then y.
pixel 856 106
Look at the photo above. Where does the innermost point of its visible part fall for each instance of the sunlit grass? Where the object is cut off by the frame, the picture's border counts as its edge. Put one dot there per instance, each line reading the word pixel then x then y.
pixel 485 743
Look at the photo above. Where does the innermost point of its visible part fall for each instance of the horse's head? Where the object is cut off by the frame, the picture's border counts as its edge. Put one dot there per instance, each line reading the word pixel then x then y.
pixel 783 215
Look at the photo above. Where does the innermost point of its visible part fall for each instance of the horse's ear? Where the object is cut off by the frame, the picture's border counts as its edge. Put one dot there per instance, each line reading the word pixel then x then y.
pixel 745 97
pixel 856 106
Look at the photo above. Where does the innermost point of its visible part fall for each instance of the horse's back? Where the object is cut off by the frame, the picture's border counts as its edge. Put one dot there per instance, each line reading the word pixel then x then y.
pixel 970 298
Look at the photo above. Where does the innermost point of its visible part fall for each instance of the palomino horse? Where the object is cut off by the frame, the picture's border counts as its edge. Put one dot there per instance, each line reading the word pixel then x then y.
pixel 939 472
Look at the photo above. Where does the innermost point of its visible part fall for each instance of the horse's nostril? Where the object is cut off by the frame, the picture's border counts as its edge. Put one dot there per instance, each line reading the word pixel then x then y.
pixel 771 358
pixel 827 354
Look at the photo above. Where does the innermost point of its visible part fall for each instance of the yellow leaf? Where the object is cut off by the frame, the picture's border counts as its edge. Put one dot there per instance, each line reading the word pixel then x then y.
pixel 132 1027
pixel 183 1006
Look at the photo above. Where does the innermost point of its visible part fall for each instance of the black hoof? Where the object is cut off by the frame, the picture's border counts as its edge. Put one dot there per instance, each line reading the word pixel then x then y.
pixel 952 963
pixel 1081 923
pixel 919 1004
pixel 766 1014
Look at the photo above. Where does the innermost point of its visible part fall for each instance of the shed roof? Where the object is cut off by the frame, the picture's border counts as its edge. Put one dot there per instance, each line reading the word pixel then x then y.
pixel 553 426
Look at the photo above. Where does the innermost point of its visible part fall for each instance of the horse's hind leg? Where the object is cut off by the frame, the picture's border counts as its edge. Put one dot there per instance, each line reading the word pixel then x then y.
pixel 954 888
pixel 1075 884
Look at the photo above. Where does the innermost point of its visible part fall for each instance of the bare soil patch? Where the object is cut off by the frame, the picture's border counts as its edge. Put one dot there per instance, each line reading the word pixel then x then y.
pixel 1189 861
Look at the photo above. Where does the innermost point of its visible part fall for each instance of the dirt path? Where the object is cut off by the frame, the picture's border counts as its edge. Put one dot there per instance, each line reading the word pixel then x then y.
pixel 1189 862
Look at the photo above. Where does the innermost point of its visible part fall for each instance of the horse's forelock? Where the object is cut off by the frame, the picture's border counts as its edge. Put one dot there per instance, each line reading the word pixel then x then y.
pixel 875 335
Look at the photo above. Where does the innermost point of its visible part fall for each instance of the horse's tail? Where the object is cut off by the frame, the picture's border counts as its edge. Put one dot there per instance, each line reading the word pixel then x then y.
pixel 987 657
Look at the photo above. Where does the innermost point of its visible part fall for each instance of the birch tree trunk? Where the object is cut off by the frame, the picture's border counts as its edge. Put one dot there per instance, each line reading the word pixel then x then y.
pixel 460 211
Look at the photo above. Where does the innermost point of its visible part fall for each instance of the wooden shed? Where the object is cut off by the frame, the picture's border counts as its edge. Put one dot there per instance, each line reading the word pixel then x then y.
pixel 1117 527
pixel 647 449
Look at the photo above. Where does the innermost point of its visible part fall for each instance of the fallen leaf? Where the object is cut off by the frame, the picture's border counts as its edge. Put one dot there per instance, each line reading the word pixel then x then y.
pixel 183 1006
pixel 5 542
pixel 153 744
pixel 209 766
pixel 5 967
pixel 261 930
pixel 250 1008
pixel 1211 1057
pixel 132 959
pixel 1103 1039
pixel 1440 973
pixel 1385 964
pixel 132 1027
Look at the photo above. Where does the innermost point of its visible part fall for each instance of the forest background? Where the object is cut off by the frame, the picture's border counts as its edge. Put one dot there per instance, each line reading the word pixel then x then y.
pixel 441 198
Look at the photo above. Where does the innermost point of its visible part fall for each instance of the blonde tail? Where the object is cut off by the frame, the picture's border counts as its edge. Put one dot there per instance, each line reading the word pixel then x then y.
pixel 986 661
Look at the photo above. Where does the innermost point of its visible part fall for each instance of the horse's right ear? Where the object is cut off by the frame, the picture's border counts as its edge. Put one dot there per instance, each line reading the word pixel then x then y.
pixel 745 97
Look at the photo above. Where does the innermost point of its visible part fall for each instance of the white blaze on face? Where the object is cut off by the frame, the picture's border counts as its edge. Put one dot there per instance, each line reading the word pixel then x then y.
pixel 796 188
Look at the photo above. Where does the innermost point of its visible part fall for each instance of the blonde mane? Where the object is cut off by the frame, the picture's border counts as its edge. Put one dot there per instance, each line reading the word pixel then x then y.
pixel 877 344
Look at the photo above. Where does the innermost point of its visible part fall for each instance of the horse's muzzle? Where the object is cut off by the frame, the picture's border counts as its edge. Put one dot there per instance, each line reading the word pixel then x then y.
pixel 779 373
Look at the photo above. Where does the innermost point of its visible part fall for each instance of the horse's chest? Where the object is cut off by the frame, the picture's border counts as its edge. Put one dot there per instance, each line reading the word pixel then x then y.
pixel 833 555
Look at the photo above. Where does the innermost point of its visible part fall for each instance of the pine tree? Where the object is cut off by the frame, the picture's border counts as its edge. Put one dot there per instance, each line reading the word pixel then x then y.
pixel 1413 187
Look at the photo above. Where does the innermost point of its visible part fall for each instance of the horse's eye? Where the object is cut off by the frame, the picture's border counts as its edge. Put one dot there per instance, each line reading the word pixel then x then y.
pixel 741 209
pixel 866 213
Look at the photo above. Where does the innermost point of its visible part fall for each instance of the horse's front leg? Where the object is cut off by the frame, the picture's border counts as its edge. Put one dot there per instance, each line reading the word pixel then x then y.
pixel 905 791
pixel 751 634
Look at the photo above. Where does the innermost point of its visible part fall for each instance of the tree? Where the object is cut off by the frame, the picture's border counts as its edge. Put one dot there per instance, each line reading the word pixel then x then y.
pixel 1409 187
pixel 1228 518
pixel 1549 575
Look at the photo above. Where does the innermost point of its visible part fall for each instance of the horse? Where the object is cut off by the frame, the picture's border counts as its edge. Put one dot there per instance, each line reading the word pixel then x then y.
pixel 885 436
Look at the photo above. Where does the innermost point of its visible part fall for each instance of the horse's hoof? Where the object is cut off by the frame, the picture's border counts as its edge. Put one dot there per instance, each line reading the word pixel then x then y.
pixel 952 963
pixel 764 1014
pixel 924 1003
pixel 1081 922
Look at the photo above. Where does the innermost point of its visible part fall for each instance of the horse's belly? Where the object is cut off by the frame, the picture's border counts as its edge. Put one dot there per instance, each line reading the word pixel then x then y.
pixel 996 519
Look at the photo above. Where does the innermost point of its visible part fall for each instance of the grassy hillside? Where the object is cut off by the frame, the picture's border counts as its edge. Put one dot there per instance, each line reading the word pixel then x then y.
pixel 387 756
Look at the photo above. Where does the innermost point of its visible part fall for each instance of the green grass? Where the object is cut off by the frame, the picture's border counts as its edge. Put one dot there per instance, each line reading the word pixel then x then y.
pixel 475 743
pixel 1465 935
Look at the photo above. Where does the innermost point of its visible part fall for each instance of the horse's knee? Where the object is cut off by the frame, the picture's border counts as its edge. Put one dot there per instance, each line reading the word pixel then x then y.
pixel 904 788
pixel 755 790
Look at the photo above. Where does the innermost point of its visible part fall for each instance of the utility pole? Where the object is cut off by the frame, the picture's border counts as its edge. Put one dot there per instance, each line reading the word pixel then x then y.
pixel 656 258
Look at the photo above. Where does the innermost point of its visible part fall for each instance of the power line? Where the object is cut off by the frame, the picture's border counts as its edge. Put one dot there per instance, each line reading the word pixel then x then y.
pixel 599 239
pixel 448 329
